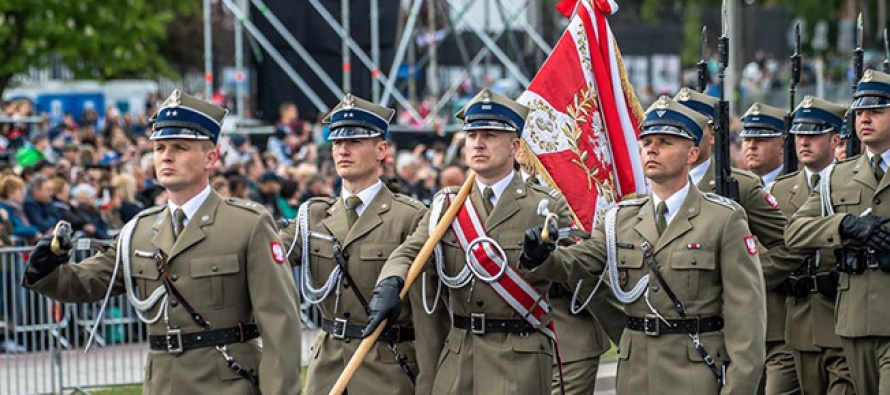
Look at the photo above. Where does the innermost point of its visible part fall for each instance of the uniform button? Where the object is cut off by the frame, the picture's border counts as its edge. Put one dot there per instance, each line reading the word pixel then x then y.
pixel 214 268
pixel 345 285
pixel 831 239
pixel 379 254
pixel 694 262
pixel 542 347
pixel 174 276
pixel 346 315
pixel 174 303
pixel 141 271
pixel 877 201
pixel 345 255
pixel 315 249
pixel 843 199
pixel 480 303
pixel 654 288
pixel 519 243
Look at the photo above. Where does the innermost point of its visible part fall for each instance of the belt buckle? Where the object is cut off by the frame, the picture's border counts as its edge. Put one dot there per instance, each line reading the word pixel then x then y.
pixel 338 329
pixel 814 284
pixel 651 325
pixel 174 336
pixel 871 260
pixel 480 319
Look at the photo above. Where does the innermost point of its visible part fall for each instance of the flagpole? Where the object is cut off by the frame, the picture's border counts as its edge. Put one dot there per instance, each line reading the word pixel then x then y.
pixel 413 273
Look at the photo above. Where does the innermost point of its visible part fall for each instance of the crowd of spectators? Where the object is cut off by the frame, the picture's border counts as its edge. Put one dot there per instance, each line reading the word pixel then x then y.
pixel 97 172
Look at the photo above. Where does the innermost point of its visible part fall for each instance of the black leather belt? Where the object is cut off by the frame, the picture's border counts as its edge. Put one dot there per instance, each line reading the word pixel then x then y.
pixel 340 329
pixel 479 324
pixel 824 283
pixel 177 342
pixel 651 325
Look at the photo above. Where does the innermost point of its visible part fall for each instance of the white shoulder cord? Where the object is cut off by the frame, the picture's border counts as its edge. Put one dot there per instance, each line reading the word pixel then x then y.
pixel 142 306
pixel 311 294
pixel 612 263
pixel 435 214
pixel 572 304
pixel 461 279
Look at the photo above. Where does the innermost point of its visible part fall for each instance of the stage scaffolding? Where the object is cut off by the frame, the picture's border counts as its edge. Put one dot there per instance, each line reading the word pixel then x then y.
pixel 420 32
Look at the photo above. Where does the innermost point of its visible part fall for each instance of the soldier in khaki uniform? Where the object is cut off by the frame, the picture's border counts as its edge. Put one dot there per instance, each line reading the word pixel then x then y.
pixel 764 217
pixel 811 289
pixel 349 239
pixel 207 274
pixel 490 348
pixel 854 224
pixel 705 301
pixel 762 148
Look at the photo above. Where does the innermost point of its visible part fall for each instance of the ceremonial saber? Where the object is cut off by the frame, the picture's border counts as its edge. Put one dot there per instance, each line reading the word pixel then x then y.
pixel 413 273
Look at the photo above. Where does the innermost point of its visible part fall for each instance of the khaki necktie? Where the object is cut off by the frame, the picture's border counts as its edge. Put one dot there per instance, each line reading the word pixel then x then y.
pixel 814 181
pixel 179 222
pixel 661 217
pixel 352 203
pixel 487 195
pixel 876 162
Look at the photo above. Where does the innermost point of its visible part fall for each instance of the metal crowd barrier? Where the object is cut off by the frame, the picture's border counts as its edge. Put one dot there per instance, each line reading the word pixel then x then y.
pixel 42 341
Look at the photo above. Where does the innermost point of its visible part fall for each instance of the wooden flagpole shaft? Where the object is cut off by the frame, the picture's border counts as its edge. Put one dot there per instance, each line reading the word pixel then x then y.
pixel 413 273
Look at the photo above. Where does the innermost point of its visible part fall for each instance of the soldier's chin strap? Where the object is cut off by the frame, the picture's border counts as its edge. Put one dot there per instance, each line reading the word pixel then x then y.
pixel 649 257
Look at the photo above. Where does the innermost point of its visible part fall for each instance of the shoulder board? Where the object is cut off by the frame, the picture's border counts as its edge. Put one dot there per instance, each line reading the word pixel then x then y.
pixel 449 190
pixel 321 199
pixel 249 205
pixel 786 176
pixel 151 210
pixel 552 192
pixel 850 159
pixel 713 197
pixel 744 173
pixel 634 202
pixel 407 200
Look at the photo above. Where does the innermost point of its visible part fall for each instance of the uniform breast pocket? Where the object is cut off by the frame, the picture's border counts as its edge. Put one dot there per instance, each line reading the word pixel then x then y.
pixel 629 262
pixel 321 260
pixel 845 198
pixel 511 243
pixel 211 276
pixel 145 275
pixel 691 271
pixel 373 256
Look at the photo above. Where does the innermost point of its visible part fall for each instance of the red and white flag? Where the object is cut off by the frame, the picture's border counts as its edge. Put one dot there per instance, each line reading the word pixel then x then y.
pixel 581 133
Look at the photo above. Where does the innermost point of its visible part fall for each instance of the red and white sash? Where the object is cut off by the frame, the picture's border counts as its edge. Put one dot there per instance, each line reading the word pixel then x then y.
pixel 487 263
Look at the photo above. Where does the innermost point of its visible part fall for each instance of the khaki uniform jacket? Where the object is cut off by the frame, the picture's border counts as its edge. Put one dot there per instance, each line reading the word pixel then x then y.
pixel 224 265
pixel 386 221
pixel 767 223
pixel 493 363
pixel 860 309
pixel 581 336
pixel 809 320
pixel 704 258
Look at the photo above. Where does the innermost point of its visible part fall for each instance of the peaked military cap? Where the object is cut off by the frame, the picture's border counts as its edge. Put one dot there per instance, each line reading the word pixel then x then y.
pixel 873 91
pixel 763 121
pixel 703 103
pixel 355 118
pixel 493 111
pixel 817 116
pixel 182 116
pixel 666 116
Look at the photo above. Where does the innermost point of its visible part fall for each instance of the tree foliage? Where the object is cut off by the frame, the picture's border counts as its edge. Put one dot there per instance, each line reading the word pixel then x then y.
pixel 96 39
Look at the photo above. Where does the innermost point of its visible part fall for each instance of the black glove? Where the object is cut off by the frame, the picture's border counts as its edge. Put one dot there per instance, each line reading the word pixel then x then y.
pixel 868 230
pixel 42 261
pixel 534 249
pixel 385 304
